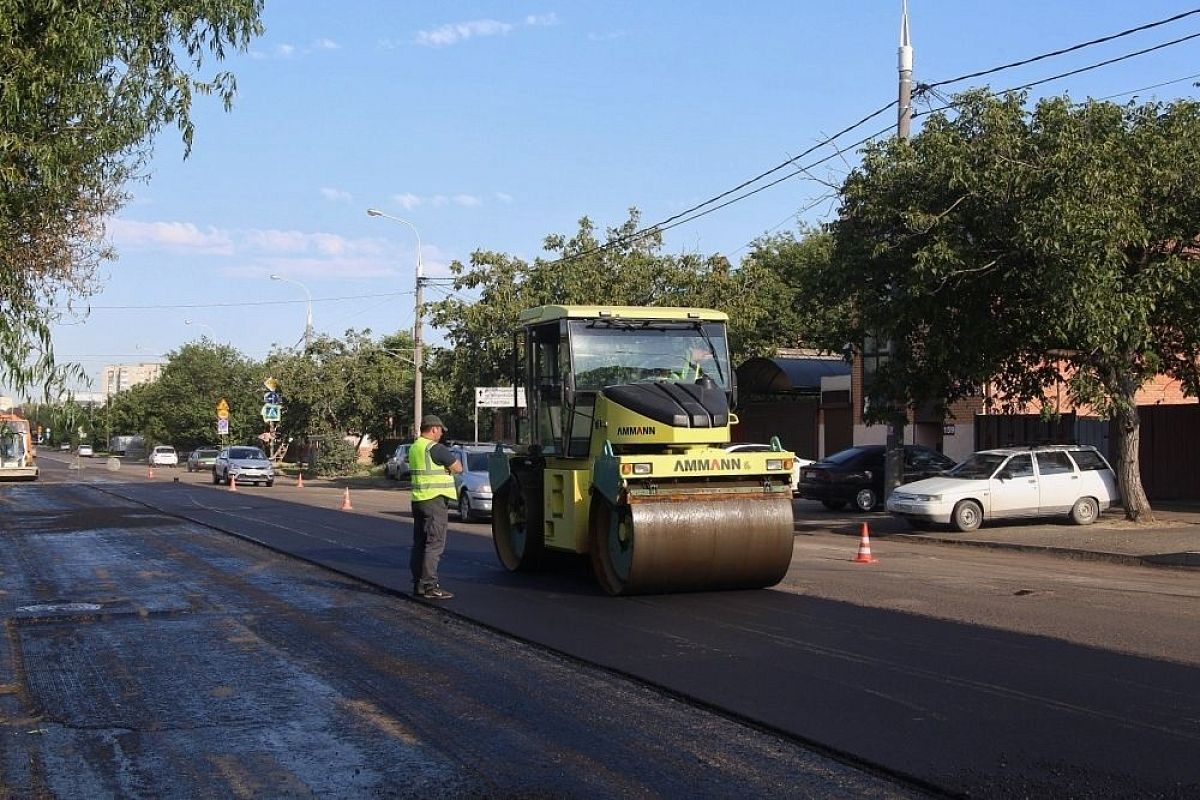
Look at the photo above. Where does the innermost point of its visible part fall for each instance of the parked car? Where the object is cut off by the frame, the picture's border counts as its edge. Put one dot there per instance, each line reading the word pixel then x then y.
pixel 797 463
pixel 855 475
pixel 202 458
pixel 163 456
pixel 244 464
pixel 396 467
pixel 1073 481
pixel 472 485
pixel 85 450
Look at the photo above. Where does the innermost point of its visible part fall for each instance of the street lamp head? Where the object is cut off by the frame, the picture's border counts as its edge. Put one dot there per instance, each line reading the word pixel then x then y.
pixel 374 212
pixel 276 277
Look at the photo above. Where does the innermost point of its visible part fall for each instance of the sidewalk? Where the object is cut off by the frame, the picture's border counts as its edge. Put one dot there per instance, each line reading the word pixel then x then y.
pixel 1172 539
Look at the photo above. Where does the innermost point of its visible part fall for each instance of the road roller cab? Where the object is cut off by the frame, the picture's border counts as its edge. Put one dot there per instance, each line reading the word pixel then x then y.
pixel 622 458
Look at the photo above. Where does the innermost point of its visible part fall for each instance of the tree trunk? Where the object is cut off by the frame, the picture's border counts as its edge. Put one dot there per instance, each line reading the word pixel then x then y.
pixel 1129 473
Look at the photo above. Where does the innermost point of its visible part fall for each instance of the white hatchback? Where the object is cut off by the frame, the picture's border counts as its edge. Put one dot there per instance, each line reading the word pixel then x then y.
pixel 163 456
pixel 1043 481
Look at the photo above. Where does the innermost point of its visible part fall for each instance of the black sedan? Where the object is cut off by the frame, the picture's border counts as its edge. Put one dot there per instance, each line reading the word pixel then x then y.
pixel 855 475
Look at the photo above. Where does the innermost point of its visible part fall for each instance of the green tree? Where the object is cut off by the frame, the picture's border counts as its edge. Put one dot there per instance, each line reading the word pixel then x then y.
pixel 180 408
pixel 623 269
pixel 1024 250
pixel 84 89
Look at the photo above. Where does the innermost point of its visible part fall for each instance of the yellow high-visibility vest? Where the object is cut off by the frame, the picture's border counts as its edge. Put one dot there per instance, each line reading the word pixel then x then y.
pixel 429 480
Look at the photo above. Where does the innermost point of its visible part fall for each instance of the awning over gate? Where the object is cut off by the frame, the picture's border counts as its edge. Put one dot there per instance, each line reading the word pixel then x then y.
pixel 787 375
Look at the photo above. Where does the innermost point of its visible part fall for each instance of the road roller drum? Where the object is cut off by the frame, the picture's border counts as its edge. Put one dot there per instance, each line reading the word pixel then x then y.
pixel 715 542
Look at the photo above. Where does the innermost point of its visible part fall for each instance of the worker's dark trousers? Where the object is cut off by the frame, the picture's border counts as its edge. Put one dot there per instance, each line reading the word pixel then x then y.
pixel 429 540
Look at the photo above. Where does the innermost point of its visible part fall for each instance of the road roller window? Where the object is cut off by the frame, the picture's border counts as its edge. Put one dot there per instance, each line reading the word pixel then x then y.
pixel 548 371
pixel 615 352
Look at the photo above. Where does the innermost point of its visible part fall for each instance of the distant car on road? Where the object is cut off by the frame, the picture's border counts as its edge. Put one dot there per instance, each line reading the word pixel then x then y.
pixel 163 456
pixel 1070 481
pixel 244 464
pixel 85 450
pixel 797 463
pixel 855 475
pixel 202 458
pixel 473 485
pixel 396 467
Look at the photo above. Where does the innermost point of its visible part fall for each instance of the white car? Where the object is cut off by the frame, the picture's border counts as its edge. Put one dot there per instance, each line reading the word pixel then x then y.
pixel 163 456
pixel 1044 481
pixel 797 462
pixel 85 450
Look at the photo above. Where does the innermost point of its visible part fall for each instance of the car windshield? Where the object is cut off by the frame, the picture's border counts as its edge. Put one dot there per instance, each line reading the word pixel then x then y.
pixel 978 467
pixel 247 453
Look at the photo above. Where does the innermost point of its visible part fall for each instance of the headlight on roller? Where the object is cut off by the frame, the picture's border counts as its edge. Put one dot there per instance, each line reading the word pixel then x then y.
pixel 774 463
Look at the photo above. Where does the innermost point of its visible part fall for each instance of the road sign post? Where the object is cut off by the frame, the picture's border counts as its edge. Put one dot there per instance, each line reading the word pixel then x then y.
pixel 497 397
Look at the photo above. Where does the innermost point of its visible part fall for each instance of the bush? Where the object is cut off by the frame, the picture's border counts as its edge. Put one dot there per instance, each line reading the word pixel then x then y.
pixel 333 456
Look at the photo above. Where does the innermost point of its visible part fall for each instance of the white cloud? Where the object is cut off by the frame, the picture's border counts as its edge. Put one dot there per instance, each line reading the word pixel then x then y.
pixel 504 197
pixel 457 32
pixel 169 235
pixel 466 200
pixel 326 44
pixel 407 201
pixel 336 195
pixel 541 20
pixel 284 50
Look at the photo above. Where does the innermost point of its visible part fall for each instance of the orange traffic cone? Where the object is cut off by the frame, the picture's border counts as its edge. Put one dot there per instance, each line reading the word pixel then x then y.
pixel 150 472
pixel 299 480
pixel 346 501
pixel 232 482
pixel 864 548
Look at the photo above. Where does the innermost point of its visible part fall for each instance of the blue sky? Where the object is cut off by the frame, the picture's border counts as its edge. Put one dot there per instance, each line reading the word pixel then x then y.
pixel 490 125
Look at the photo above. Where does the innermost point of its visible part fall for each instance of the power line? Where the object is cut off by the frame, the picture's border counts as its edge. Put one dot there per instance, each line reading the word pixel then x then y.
pixel 922 88
pixel 1070 49
pixel 1151 86
pixel 157 306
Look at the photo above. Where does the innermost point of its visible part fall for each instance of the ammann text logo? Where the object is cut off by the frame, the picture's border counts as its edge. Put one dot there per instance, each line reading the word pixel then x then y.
pixel 707 464
pixel 636 430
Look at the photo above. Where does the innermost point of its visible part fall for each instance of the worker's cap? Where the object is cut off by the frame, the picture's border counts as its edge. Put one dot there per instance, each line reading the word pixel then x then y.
pixel 432 421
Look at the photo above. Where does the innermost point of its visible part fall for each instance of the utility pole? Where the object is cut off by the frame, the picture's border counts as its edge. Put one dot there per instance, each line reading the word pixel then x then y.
pixel 893 465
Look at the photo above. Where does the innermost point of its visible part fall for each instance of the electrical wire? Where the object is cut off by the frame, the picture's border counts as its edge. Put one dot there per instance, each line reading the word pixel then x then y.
pixel 158 306
pixel 1151 86
pixel 1070 49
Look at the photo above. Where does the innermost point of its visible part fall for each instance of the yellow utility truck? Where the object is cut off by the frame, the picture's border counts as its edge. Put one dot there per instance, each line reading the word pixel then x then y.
pixel 623 459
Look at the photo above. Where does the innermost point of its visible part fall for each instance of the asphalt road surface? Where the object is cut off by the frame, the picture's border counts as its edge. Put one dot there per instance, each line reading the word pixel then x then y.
pixel 983 673
pixel 149 656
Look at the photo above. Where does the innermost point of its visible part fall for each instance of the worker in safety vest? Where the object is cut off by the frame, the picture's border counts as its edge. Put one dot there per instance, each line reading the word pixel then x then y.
pixel 432 467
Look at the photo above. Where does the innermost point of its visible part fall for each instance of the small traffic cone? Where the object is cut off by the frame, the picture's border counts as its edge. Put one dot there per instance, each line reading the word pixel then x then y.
pixel 150 472
pixel 233 483
pixel 299 480
pixel 346 500
pixel 864 548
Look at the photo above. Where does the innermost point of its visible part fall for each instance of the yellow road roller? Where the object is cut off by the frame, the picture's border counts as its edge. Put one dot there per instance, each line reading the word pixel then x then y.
pixel 622 457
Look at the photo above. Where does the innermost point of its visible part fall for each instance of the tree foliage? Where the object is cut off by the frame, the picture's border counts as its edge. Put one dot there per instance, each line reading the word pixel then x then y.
pixel 84 88
pixel 1026 251
pixel 623 269
pixel 180 408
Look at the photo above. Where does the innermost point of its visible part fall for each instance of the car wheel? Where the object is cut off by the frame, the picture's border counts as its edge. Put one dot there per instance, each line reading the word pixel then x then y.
pixel 866 500
pixel 216 478
pixel 834 505
pixel 464 507
pixel 967 516
pixel 271 482
pixel 1085 511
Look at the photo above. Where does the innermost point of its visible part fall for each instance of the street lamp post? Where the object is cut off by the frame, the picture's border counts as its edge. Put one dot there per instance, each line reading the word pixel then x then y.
pixel 417 351
pixel 202 325
pixel 308 326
